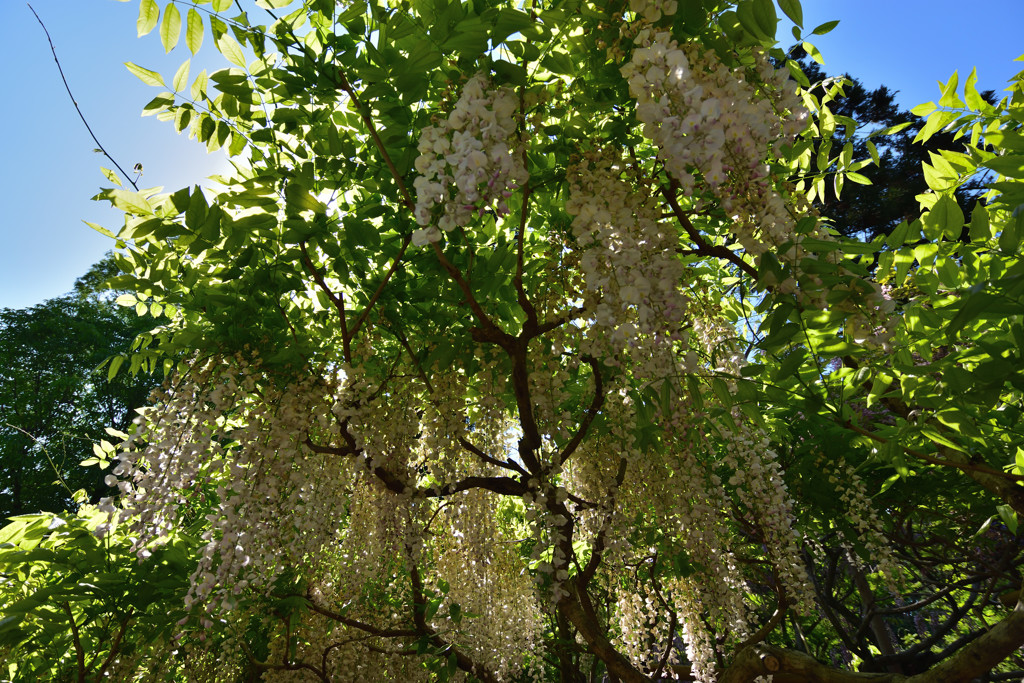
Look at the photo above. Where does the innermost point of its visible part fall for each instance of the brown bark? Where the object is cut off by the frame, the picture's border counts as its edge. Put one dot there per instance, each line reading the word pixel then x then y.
pixel 617 663
pixel 972 661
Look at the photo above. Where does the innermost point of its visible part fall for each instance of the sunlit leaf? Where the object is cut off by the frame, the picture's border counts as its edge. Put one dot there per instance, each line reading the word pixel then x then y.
pixel 194 31
pixel 170 28
pixel 180 81
pixel 793 11
pixel 149 15
pixel 145 75
pixel 230 48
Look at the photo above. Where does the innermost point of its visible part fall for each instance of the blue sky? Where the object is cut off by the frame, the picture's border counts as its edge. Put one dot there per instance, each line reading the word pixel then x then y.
pixel 50 171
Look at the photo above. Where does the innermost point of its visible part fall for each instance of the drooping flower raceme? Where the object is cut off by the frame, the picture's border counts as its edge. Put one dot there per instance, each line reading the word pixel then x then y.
pixel 466 161
pixel 630 270
pixel 715 126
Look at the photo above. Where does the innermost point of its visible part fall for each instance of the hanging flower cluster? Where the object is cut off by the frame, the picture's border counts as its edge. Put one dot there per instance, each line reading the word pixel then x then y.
pixel 757 478
pixel 466 162
pixel 482 567
pixel 653 10
pixel 631 272
pixel 219 442
pixel 714 127
pixel 677 484
pixel 867 527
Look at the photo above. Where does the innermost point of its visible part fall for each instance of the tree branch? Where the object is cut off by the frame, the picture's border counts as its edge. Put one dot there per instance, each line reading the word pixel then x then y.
pixel 509 465
pixel 972 661
pixel 406 241
pixel 76 638
pixel 338 301
pixel 1001 484
pixel 372 128
pixel 116 645
pixel 503 485
pixel 355 623
pixel 489 332
pixel 595 406
pixel 703 247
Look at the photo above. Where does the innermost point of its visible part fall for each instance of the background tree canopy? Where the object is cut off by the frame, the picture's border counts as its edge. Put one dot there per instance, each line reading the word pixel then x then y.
pixel 515 349
pixel 866 211
pixel 54 402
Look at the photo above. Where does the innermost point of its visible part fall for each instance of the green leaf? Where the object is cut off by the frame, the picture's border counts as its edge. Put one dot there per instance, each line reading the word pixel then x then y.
pixel 238 143
pixel 938 120
pixel 747 11
pixel 972 97
pixel 558 63
pixel 299 198
pixel 360 233
pixel 198 89
pixel 195 216
pixel 793 10
pixel 180 81
pixel 924 109
pixel 170 29
pixel 231 50
pixel 452 665
pixel 431 608
pixel 765 16
pixel 898 237
pixel 946 218
pixel 149 15
pixel 1010 236
pixel 790 363
pixel 194 31
pixel 825 28
pixel 971 307
pixel 1009 517
pixel 145 75
pixel 510 73
pixel 130 202
pixel 222 5
pixel 949 97
pixel 115 363
pixel 813 52
pixel 981 230
pixel 797 73
pixel 111 176
pixel 100 229
pixel 509 21
pixel 1011 165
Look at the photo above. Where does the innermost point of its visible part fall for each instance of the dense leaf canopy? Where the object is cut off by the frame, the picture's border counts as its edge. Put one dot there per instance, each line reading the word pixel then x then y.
pixel 515 349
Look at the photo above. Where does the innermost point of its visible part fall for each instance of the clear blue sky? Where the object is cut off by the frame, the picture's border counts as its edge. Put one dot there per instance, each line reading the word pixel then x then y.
pixel 50 170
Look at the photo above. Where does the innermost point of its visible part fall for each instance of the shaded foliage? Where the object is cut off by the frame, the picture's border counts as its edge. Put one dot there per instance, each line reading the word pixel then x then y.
pixel 55 401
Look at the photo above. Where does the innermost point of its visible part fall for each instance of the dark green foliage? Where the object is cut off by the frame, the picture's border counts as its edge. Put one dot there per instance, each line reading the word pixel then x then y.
pixel 54 403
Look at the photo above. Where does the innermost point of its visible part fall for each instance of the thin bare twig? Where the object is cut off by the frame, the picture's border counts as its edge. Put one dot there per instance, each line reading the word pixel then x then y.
pixel 592 411
pixel 75 102
pixel 336 299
